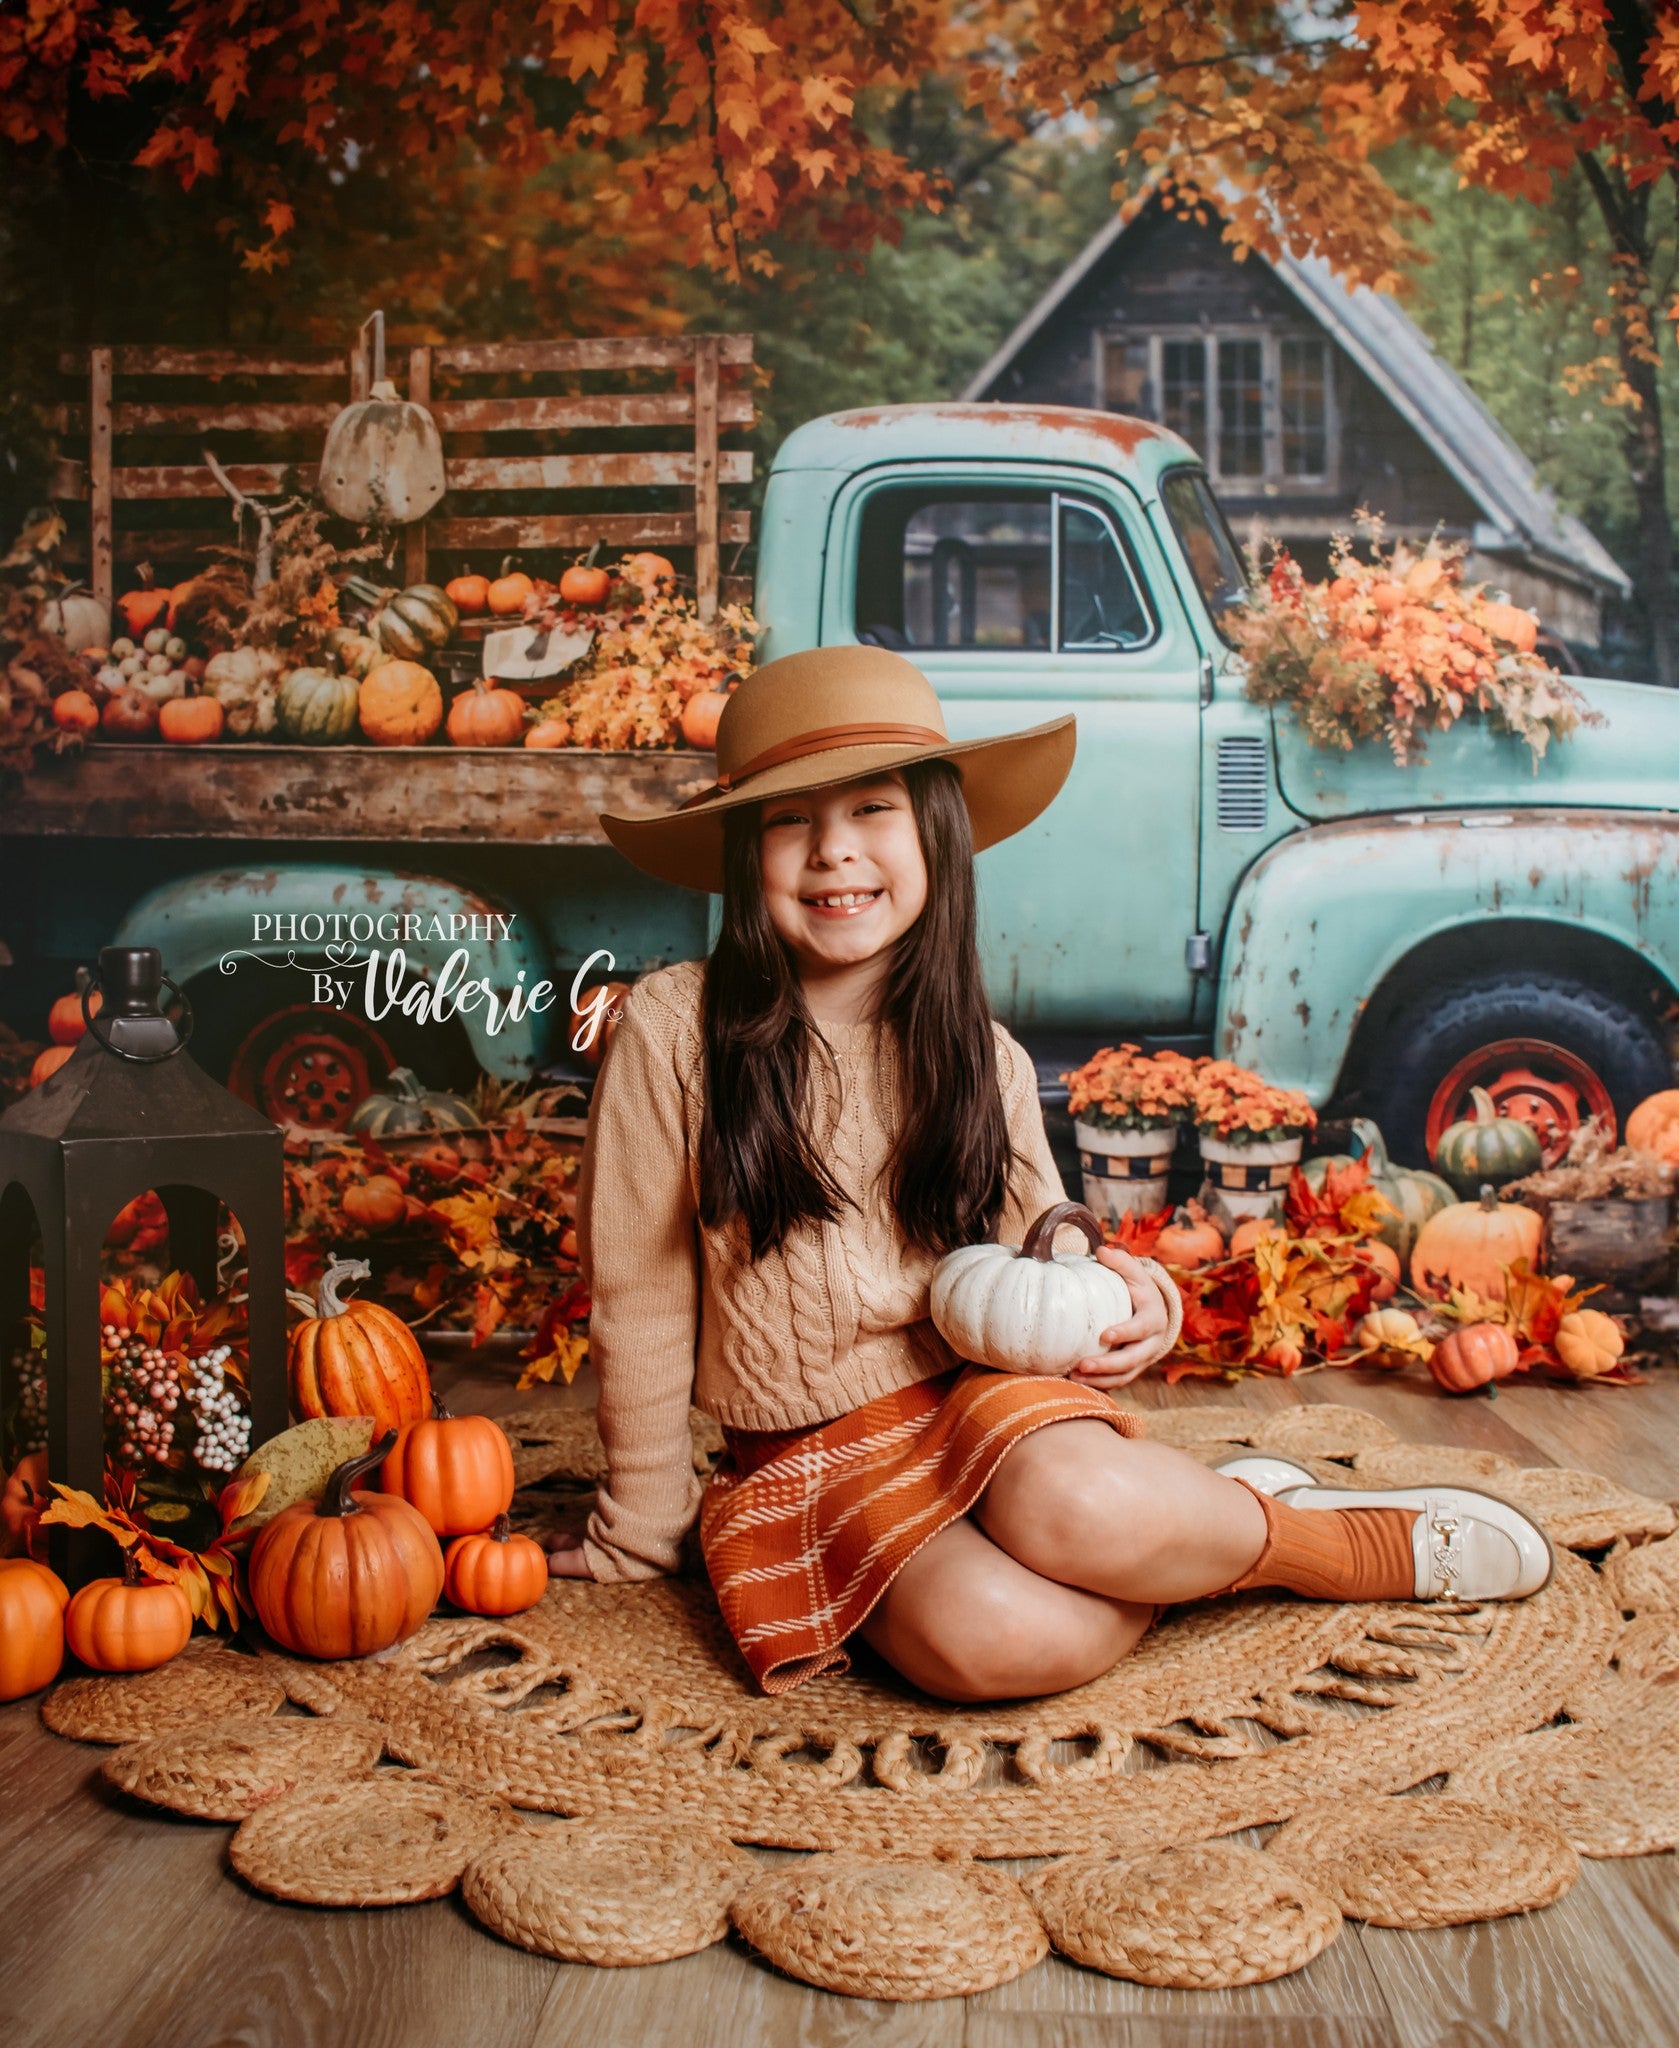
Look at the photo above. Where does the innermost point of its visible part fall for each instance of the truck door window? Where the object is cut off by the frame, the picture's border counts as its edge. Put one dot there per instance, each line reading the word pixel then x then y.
pixel 994 568
pixel 1208 547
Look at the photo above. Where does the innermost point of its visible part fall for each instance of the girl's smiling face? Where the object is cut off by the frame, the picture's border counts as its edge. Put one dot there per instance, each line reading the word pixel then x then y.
pixel 844 876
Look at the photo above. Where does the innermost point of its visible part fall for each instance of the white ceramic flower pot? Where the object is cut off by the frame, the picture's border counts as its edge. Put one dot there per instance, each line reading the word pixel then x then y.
pixel 1250 1180
pixel 1125 1171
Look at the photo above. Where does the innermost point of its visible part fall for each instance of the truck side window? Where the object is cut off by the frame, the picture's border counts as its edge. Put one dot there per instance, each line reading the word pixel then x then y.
pixel 1212 554
pixel 1102 606
pixel 948 571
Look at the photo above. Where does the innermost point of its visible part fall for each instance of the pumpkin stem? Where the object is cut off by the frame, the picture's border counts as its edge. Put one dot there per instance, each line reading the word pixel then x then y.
pixel 589 559
pixel 1486 1110
pixel 500 1529
pixel 404 1082
pixel 336 1498
pixel 1489 1198
pixel 131 1574
pixel 327 1302
pixel 1040 1239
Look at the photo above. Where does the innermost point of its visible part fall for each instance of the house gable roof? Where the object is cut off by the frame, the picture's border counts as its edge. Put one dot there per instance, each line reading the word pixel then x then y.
pixel 1426 392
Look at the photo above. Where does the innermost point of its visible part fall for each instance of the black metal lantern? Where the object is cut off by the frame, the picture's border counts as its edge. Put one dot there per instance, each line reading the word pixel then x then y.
pixel 128 1112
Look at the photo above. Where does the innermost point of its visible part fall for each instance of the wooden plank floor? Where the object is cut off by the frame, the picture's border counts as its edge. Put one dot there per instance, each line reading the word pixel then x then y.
pixel 125 1927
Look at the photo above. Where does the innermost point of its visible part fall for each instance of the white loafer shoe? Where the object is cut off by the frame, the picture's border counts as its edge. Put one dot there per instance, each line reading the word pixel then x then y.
pixel 1467 1546
pixel 1267 1475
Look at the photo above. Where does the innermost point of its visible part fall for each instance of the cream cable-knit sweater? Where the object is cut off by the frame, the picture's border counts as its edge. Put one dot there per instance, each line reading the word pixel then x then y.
pixel 834 1318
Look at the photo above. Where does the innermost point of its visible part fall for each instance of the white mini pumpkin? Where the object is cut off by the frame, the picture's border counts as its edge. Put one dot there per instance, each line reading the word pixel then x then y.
pixel 1026 1308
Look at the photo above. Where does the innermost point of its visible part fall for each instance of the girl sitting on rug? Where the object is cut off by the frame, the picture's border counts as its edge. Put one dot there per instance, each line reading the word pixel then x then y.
pixel 783 1141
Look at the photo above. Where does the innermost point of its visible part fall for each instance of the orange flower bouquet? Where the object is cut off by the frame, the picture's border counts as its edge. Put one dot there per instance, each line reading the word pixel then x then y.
pixel 1391 647
pixel 1122 1088
pixel 1234 1105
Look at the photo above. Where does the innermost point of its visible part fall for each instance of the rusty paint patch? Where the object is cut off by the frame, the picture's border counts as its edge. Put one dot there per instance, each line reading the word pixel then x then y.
pixel 1303 1010
pixel 1125 433
pixel 1534 877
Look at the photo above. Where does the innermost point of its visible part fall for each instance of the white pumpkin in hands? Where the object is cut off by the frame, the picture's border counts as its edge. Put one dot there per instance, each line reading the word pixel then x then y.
pixel 1027 1308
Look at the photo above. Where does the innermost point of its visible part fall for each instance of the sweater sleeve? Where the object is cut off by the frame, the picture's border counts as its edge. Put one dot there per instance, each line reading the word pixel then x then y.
pixel 1035 1182
pixel 639 1253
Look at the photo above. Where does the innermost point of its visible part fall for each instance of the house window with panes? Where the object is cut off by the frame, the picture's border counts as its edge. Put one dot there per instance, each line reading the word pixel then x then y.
pixel 1258 406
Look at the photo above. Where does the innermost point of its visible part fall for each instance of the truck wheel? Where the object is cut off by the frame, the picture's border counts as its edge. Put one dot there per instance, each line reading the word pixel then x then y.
pixel 1548 1049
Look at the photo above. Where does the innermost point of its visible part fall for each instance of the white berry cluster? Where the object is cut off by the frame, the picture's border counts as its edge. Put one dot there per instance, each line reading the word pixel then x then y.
pixel 224 1428
pixel 29 1426
pixel 142 1396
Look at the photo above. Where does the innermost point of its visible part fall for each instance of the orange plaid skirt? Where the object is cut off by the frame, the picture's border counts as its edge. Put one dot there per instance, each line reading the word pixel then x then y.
pixel 803 1530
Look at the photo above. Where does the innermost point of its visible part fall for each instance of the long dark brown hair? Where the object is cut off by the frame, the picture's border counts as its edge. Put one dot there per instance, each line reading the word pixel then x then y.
pixel 951 1156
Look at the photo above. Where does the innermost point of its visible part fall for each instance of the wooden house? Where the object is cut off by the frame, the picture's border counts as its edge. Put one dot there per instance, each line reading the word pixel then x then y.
pixel 1308 401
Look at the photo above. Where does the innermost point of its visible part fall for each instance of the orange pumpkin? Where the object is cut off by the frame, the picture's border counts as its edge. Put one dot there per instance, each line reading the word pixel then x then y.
pixel 1509 622
pixel 1474 1356
pixel 1589 1343
pixel 177 596
pixel 700 715
pixel 508 595
pixel 356 1358
pixel 647 572
pixel 456 1469
pixel 375 1203
pixel 1470 1244
pixel 399 704
pixel 48 1062
pixel 191 721
pixel 32 1602
pixel 1654 1126
pixel 26 1494
pixel 549 732
pixel 486 717
pixel 585 586
pixel 142 610
pixel 75 711
pixel 1250 1231
pixel 1373 1252
pixel 1191 1239
pixel 495 1572
pixel 127 1624
pixel 348 1574
pixel 468 593
pixel 64 1019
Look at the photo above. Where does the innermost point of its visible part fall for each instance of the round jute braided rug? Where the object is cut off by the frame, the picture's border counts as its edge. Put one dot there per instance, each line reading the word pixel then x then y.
pixel 607 1709
pixel 225 1770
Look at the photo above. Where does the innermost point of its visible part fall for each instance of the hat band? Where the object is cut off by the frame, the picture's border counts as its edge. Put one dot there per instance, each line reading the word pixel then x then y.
pixel 827 736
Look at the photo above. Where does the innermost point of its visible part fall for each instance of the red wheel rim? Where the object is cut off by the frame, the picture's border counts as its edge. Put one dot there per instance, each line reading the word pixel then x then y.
pixel 1531 1080
pixel 307 1069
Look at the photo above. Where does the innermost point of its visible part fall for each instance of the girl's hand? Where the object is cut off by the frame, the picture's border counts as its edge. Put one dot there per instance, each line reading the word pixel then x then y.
pixel 1134 1345
pixel 567 1560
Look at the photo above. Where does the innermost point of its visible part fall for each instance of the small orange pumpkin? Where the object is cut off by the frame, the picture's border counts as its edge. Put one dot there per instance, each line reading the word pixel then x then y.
pixel 399 704
pixel 47 1063
pixel 1470 1244
pixel 508 595
pixel 468 593
pixel 1589 1343
pixel 1509 622
pixel 1474 1356
pixel 457 1470
pixel 549 732
pixel 142 609
pixel 127 1624
pixel 700 715
pixel 495 1572
pixel 486 717
pixel 26 1495
pixel 32 1603
pixel 177 596
pixel 191 721
pixel 1654 1126
pixel 585 586
pixel 356 1358
pixel 375 1203
pixel 647 572
pixel 1250 1231
pixel 75 711
pixel 64 1019
pixel 1191 1239
pixel 348 1574
pixel 1373 1252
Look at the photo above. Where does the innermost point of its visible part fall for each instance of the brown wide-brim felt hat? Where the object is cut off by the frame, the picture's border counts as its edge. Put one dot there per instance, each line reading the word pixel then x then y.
pixel 808 721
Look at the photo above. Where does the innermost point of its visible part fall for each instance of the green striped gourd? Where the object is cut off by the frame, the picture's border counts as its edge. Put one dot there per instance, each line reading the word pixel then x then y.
pixel 1487 1149
pixel 406 1109
pixel 317 706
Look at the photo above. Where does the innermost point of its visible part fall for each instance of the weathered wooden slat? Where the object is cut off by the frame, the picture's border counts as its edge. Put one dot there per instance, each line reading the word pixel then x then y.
pixel 100 518
pixel 476 796
pixel 591 472
pixel 157 544
pixel 67 479
pixel 65 419
pixel 561 415
pixel 255 418
pixel 414 536
pixel 130 360
pixel 191 480
pixel 705 475
pixel 618 352
pixel 581 530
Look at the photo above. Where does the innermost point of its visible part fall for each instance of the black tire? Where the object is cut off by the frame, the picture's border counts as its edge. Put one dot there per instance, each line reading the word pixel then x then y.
pixel 1618 1038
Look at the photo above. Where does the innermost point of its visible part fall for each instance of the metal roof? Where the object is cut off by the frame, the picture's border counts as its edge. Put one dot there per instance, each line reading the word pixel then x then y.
pixel 1521 513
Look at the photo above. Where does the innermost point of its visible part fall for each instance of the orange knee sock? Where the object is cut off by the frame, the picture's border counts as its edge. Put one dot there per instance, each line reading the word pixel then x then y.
pixel 1333 1553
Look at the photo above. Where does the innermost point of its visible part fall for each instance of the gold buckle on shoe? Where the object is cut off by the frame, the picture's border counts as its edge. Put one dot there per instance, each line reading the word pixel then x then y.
pixel 1445 1547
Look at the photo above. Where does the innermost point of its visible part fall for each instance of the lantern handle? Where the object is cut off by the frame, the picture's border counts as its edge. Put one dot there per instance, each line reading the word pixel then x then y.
pixel 183 1025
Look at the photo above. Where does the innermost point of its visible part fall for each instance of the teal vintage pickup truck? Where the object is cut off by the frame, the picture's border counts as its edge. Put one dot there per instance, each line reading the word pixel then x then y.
pixel 1382 938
